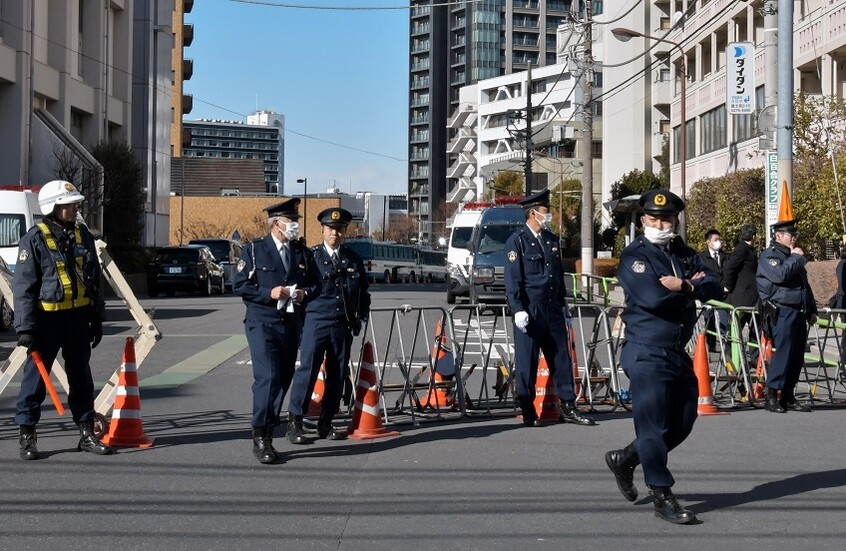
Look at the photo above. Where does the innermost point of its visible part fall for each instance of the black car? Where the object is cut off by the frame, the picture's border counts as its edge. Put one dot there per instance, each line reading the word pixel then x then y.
pixel 188 268
pixel 226 252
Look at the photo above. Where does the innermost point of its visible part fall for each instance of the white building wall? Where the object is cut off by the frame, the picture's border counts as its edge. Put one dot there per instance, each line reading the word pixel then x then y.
pixel 272 118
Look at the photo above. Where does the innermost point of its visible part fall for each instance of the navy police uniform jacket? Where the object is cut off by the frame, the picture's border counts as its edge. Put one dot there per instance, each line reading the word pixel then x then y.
pixel 782 279
pixel 338 293
pixel 534 275
pixel 655 315
pixel 260 269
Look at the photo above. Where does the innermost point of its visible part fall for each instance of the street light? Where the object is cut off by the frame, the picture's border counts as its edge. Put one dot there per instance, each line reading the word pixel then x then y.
pixel 623 34
pixel 304 182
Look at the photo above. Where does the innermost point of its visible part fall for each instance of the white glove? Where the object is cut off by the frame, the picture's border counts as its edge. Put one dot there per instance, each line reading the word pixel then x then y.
pixel 521 320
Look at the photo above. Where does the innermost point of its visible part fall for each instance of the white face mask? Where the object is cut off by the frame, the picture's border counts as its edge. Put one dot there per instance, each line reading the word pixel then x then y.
pixel 658 236
pixel 717 245
pixel 292 230
pixel 545 221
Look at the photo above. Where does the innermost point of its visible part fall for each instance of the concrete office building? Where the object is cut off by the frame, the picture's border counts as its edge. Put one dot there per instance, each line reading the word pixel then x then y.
pixel 456 45
pixel 65 84
pixel 183 69
pixel 218 139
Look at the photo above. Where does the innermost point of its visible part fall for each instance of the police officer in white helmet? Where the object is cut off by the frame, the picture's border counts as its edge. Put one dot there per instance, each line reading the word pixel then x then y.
pixel 58 305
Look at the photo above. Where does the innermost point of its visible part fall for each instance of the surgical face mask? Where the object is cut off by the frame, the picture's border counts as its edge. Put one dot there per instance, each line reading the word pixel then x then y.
pixel 658 236
pixel 545 221
pixel 292 230
pixel 717 245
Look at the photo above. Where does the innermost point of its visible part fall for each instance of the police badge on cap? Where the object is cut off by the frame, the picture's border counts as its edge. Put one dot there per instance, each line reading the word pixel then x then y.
pixel 335 217
pixel 661 202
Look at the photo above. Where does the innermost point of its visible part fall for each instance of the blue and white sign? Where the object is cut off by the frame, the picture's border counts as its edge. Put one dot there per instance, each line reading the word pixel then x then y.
pixel 740 78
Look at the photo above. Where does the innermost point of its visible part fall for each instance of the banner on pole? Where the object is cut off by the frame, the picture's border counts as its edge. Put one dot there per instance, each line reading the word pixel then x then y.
pixel 740 78
pixel 771 178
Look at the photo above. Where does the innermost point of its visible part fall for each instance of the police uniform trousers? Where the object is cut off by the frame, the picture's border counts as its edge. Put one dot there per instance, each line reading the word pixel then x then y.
pixel 665 396
pixel 68 330
pixel 789 337
pixel 273 350
pixel 334 340
pixel 550 336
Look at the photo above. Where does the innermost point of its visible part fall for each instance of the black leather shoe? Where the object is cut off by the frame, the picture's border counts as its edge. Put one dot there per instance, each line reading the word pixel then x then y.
pixel 789 402
pixel 295 433
pixel 570 414
pixel 771 402
pixel 28 440
pixel 89 441
pixel 530 416
pixel 622 463
pixel 533 422
pixel 325 430
pixel 668 508
pixel 263 445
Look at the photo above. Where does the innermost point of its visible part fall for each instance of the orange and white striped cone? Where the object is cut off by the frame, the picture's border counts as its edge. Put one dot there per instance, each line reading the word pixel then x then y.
pixel 367 420
pixel 126 429
pixel 438 397
pixel 703 375
pixel 316 403
pixel 546 399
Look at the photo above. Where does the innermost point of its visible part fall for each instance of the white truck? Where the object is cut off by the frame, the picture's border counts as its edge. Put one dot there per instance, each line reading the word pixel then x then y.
pixel 459 258
pixel 18 212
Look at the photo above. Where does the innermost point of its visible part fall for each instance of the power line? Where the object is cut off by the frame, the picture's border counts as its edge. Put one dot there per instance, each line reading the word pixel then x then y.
pixel 348 8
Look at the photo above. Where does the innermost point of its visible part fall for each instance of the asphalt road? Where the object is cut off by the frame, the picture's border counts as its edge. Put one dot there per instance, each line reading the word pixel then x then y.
pixel 754 478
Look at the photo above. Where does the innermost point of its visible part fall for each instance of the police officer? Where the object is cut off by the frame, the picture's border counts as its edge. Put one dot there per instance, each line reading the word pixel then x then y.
pixel 336 310
pixel 534 286
pixel 58 305
pixel 715 258
pixel 271 278
pixel 789 305
pixel 661 277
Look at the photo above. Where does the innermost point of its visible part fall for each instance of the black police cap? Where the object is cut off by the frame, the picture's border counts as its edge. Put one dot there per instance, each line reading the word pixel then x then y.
pixel 661 201
pixel 788 226
pixel 334 216
pixel 288 208
pixel 540 199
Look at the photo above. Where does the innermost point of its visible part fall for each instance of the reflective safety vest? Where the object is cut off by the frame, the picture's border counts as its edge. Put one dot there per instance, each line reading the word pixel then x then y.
pixel 68 301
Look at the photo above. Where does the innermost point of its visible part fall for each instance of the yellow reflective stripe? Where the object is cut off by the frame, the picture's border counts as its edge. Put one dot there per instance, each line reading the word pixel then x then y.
pixel 61 270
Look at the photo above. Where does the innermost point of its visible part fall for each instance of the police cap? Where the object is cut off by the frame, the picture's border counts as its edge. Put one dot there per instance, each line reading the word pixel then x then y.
pixel 661 201
pixel 540 199
pixel 787 226
pixel 334 217
pixel 288 209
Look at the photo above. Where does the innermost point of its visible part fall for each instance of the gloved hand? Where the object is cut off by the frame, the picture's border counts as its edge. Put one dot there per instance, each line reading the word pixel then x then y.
pixel 27 340
pixel 521 320
pixel 96 333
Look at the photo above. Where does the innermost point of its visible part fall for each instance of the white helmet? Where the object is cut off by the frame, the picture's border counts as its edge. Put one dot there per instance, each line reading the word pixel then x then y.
pixel 57 192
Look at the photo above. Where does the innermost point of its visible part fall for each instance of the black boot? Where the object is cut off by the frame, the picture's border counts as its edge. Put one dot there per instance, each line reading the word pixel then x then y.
pixel 570 414
pixel 771 401
pixel 296 433
pixel 88 440
pixel 530 416
pixel 788 401
pixel 263 445
pixel 28 439
pixel 667 508
pixel 326 430
pixel 622 463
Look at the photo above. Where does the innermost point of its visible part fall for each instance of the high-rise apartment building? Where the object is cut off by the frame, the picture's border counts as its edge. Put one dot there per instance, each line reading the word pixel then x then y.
pixel 454 45
pixel 183 69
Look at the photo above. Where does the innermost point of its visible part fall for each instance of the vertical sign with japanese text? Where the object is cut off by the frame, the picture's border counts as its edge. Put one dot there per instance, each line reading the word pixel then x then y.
pixel 771 178
pixel 740 78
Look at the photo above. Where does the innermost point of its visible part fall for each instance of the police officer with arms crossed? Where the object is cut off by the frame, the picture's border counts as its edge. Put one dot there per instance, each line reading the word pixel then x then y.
pixel 534 286
pixel 337 308
pixel 788 305
pixel 58 305
pixel 661 277
pixel 271 277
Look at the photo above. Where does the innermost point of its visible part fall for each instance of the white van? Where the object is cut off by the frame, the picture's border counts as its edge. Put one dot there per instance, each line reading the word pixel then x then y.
pixel 19 211
pixel 459 258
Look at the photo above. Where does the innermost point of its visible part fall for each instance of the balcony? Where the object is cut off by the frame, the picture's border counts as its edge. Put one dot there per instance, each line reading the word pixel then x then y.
pixel 657 143
pixel 187 69
pixel 662 90
pixel 464 190
pixel 420 102
pixel 420 83
pixel 420 119
pixel 187 103
pixel 459 142
pixel 187 6
pixel 462 166
pixel 421 11
pixel 460 115
pixel 419 191
pixel 421 65
pixel 419 137
pixel 186 136
pixel 420 29
pixel 187 35
pixel 421 174
pixel 420 47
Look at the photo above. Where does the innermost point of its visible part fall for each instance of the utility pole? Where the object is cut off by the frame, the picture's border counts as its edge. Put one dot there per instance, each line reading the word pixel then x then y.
pixel 784 115
pixel 587 149
pixel 527 168
pixel 768 110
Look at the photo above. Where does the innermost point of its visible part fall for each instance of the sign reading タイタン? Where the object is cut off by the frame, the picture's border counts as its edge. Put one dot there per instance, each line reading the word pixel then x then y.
pixel 740 78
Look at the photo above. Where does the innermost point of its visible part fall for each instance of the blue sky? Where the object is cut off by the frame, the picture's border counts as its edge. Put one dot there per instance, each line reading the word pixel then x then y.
pixel 340 76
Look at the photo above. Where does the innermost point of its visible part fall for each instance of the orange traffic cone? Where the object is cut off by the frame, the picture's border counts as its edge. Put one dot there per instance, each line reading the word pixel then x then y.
pixel 126 429
pixel 316 403
pixel 785 207
pixel 546 399
pixel 444 370
pixel 367 420
pixel 700 367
